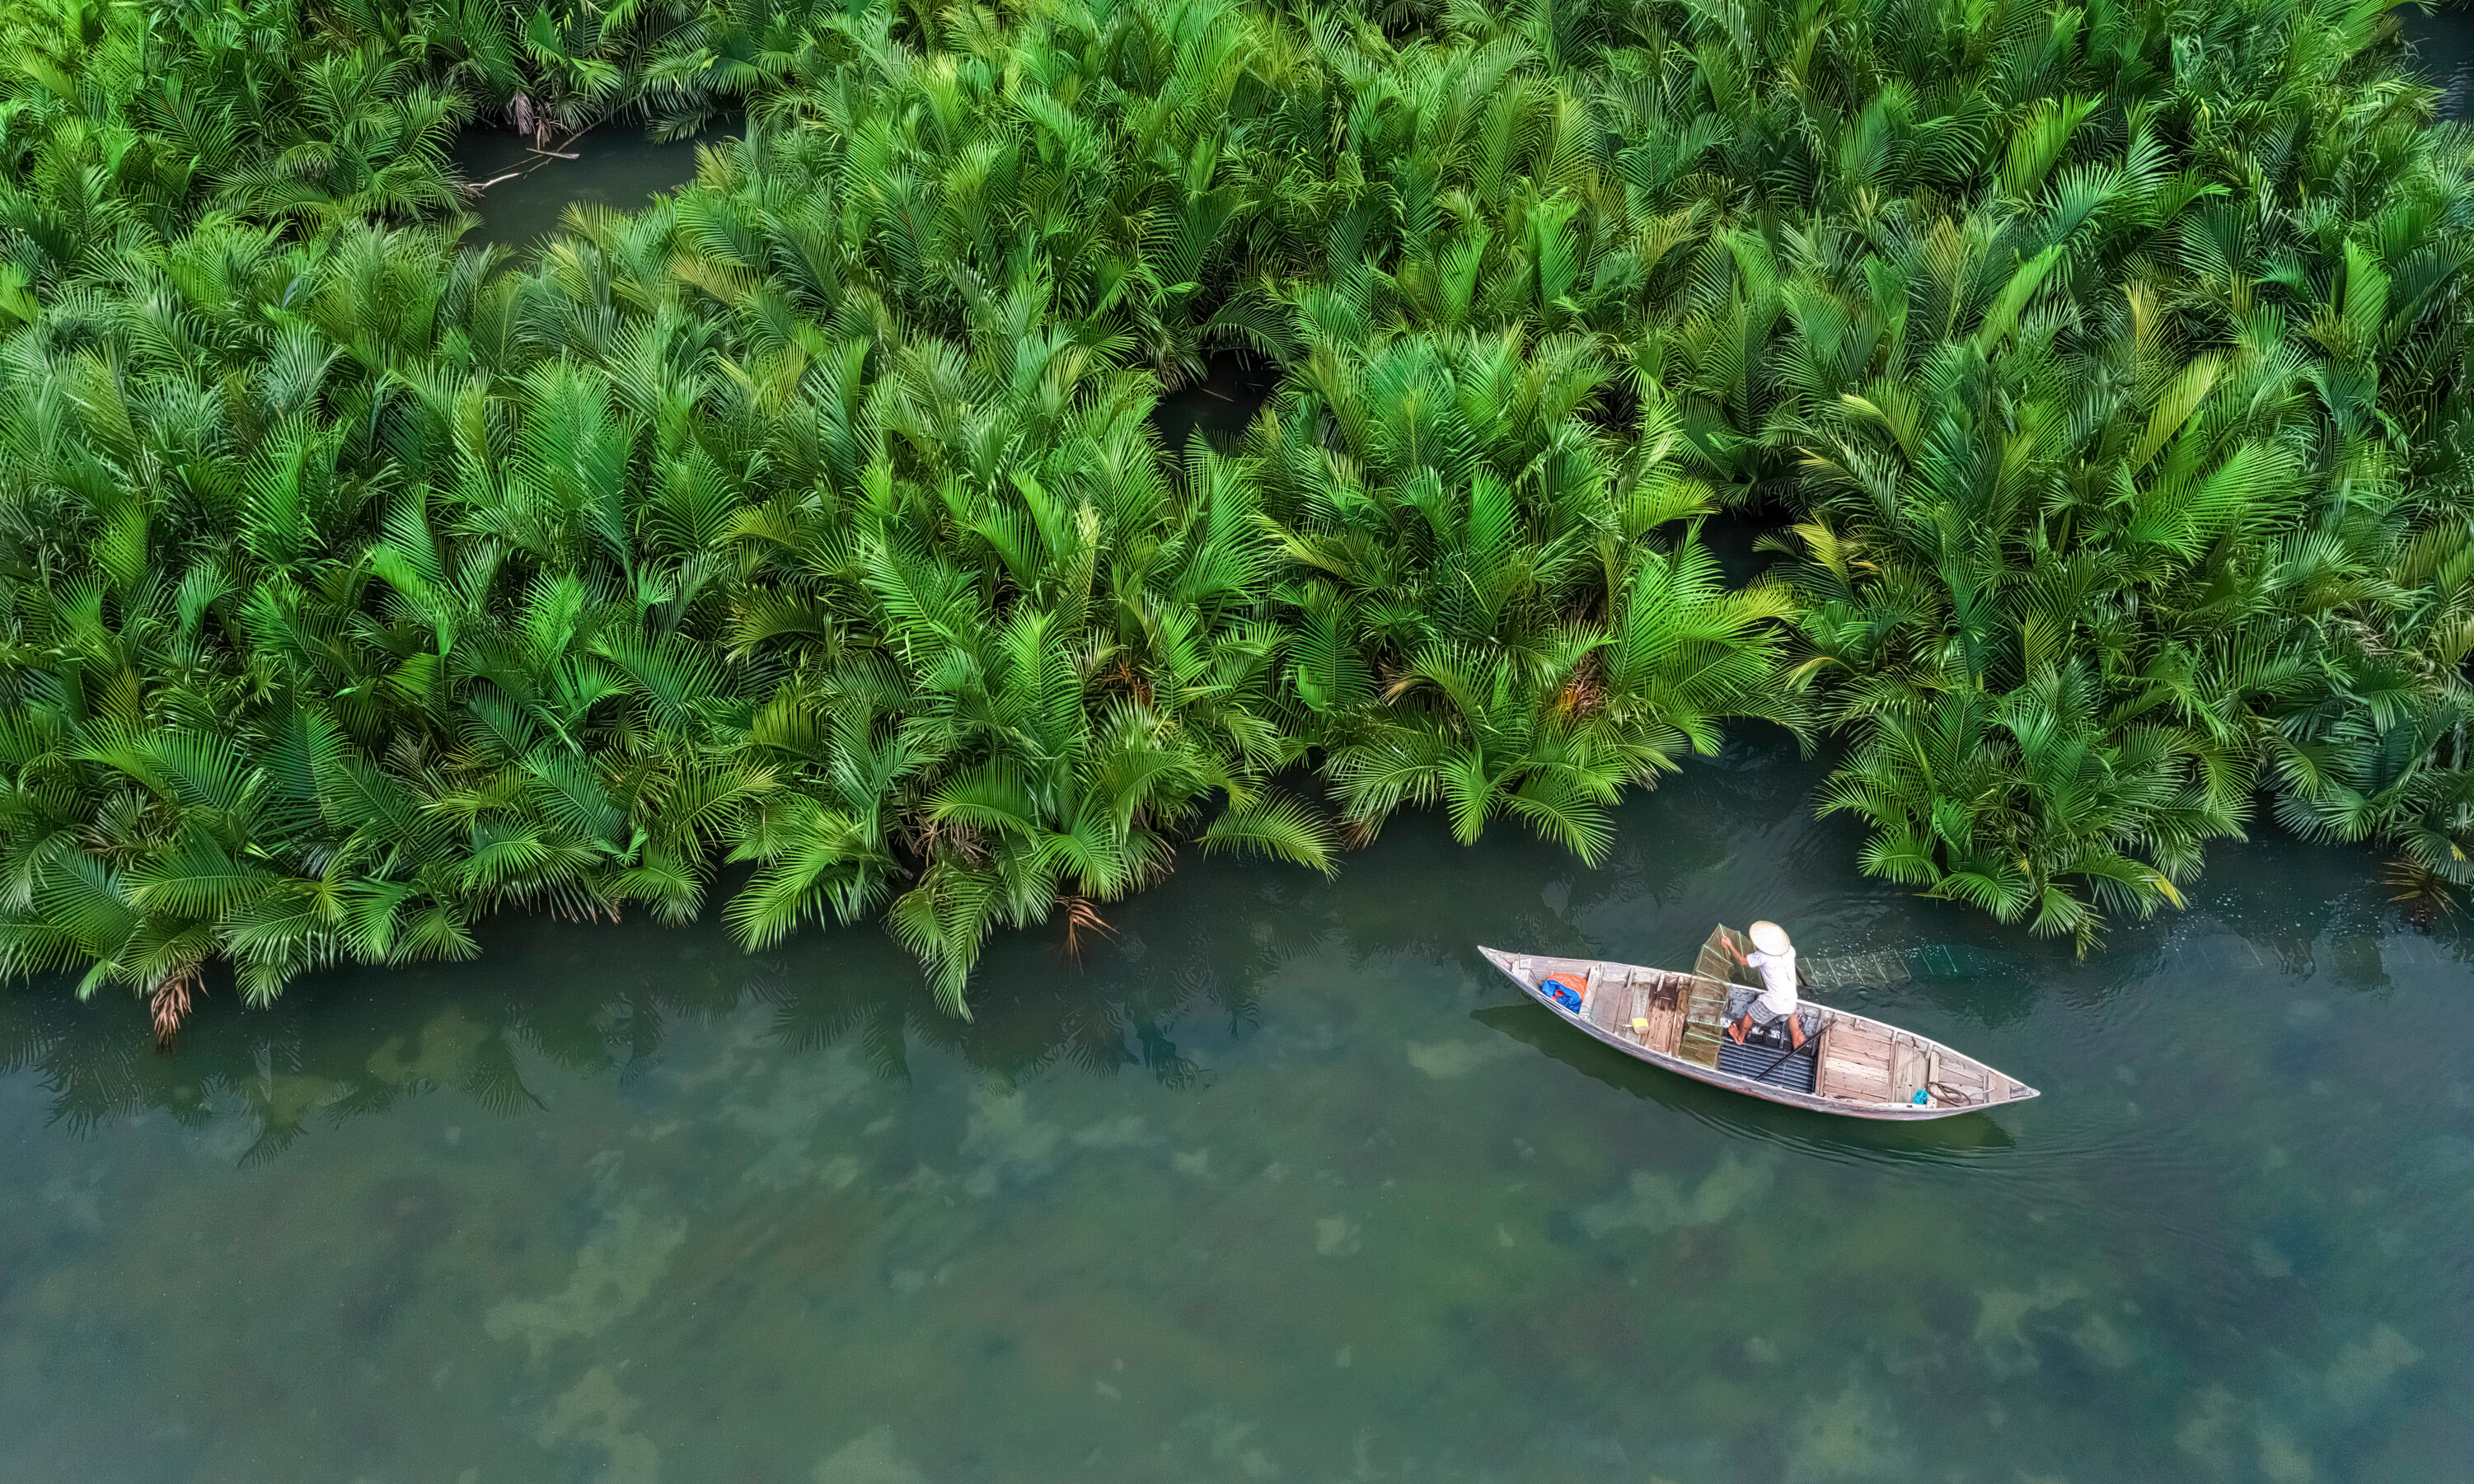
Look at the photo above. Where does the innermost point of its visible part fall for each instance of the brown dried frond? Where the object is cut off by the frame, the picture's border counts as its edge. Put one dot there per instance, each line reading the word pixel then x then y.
pixel 1082 915
pixel 1583 693
pixel 170 1004
pixel 961 840
pixel 1123 678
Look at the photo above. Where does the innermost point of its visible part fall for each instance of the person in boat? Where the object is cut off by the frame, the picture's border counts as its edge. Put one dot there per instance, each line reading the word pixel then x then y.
pixel 1773 957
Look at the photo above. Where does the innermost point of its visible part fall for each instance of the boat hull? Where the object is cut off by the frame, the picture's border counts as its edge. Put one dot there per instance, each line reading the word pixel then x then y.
pixel 1885 1111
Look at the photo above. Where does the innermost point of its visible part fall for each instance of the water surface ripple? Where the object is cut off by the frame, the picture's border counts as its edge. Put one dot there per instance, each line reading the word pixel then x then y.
pixel 1280 1183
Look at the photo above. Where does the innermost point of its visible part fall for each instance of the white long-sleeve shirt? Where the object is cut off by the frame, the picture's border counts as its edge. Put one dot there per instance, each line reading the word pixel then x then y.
pixel 1778 979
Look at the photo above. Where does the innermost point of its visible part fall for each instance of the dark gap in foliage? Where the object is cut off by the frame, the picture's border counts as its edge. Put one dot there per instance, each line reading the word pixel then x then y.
pixel 1731 536
pixel 1220 405
pixel 2440 40
pixel 524 193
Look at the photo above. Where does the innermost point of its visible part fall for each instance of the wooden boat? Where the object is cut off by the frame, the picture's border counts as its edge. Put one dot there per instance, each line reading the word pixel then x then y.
pixel 1857 1065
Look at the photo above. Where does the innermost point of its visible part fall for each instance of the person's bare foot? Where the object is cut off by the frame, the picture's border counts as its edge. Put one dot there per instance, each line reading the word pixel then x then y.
pixel 1737 1029
pixel 1795 1034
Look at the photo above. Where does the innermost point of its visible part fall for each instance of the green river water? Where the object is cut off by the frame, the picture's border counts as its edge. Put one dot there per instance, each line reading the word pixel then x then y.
pixel 1281 1184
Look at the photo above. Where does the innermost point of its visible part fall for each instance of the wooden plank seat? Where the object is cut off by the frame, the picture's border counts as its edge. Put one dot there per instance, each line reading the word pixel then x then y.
pixel 1855 1061
pixel 1609 1005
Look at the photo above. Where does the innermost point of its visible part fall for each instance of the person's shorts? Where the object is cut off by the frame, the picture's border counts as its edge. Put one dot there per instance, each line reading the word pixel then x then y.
pixel 1744 1000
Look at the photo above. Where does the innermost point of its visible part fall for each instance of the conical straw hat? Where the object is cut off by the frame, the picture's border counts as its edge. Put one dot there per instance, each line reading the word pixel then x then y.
pixel 1769 937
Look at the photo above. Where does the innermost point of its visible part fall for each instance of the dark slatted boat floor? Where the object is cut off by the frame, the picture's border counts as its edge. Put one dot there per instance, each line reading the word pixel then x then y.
pixel 1769 1064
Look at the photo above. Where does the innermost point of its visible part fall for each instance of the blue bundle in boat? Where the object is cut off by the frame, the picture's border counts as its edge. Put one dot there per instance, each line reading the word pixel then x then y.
pixel 1562 994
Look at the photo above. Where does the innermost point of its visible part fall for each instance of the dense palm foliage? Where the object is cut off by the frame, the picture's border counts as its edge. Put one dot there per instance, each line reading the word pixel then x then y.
pixel 2102 365
pixel 2127 433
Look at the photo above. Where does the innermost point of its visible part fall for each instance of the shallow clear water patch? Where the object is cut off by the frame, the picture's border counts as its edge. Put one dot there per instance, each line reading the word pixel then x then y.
pixel 1281 1182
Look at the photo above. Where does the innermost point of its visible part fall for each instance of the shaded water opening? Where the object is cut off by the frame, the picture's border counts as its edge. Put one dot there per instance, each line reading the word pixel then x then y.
pixel 2439 44
pixel 1220 406
pixel 527 190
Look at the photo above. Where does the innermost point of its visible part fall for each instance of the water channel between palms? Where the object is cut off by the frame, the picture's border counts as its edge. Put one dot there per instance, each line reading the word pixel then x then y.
pixel 1280 1183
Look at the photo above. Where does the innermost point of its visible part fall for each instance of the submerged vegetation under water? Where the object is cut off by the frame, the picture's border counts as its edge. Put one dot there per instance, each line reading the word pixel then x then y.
pixel 2102 366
